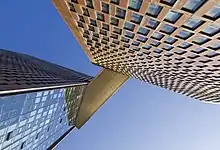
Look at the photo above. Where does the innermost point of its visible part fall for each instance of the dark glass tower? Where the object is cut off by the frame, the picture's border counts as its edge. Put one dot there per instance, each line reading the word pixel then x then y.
pixel 39 101
pixel 21 73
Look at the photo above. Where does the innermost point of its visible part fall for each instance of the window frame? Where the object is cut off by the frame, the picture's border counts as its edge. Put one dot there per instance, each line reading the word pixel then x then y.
pixel 159 9
pixel 89 4
pixel 176 18
pixel 136 18
pixel 213 18
pixel 210 34
pixel 130 24
pixel 102 16
pixel 115 19
pixel 207 40
pixel 155 22
pixel 168 32
pixel 184 38
pixel 137 8
pixel 197 7
pixel 145 34
pixel 119 15
pixel 107 8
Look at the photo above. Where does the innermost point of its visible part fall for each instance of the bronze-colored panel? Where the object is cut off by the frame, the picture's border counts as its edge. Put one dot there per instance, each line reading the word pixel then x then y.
pixel 99 90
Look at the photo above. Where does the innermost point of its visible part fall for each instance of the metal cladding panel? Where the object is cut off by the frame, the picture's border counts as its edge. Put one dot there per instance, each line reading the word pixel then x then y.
pixel 172 44
pixel 98 91
pixel 20 71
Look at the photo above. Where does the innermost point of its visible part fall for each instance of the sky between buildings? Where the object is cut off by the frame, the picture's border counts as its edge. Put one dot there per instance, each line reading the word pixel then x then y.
pixel 138 117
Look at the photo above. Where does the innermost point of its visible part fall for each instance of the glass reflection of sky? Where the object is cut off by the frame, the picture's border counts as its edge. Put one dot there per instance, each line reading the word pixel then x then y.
pixel 36 120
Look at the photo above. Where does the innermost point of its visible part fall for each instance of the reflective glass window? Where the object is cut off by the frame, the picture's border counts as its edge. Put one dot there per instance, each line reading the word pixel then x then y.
pixel 214 13
pixel 91 28
pixel 120 13
pixel 116 42
pixel 143 31
pixel 153 10
pixel 183 34
pixel 135 4
pixel 114 21
pixel 215 46
pixel 211 30
pixel 93 22
pixel 142 39
pixel 81 18
pixel 136 48
pixel 126 45
pixel 193 5
pixel 157 50
pixel 193 23
pixel 170 40
pixel 89 3
pixel 157 35
pixel 184 45
pixel 80 24
pixel 129 34
pixel 103 32
pixel 85 12
pixel 200 40
pixel 136 18
pixel 125 39
pixel 117 30
pixel 152 23
pixel 105 38
pixel 168 47
pixel 129 26
pixel 71 7
pixel 135 43
pixel 199 50
pixel 172 16
pixel 155 43
pixel 100 16
pixel 105 26
pixel 168 29
pixel 105 8
pixel 147 47
pixel 114 36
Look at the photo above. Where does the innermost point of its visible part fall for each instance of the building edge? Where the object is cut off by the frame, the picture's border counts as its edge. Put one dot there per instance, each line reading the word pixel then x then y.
pixel 58 141
pixel 98 91
pixel 66 15
pixel 28 90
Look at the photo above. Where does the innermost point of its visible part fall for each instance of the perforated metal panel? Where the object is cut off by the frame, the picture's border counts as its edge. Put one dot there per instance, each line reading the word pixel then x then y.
pixel 173 44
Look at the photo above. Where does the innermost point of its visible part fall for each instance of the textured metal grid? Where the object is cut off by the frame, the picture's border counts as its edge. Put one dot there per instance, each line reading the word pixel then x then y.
pixel 20 71
pixel 170 53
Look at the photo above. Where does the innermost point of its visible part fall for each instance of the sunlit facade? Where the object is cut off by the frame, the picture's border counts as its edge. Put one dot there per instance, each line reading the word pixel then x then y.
pixel 37 120
pixel 173 44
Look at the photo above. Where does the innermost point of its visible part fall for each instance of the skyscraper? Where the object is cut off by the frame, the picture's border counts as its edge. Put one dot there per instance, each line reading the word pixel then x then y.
pixel 38 120
pixel 23 73
pixel 173 44
pixel 39 101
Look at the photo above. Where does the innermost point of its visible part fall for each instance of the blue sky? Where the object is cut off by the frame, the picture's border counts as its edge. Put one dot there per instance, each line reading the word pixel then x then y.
pixel 138 117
